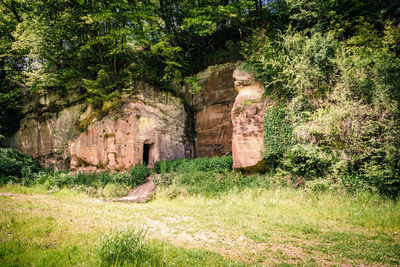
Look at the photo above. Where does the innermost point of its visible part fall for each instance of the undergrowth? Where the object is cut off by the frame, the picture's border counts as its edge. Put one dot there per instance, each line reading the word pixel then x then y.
pixel 18 168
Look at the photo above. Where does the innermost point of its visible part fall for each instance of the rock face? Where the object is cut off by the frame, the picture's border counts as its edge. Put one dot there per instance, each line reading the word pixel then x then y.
pixel 148 125
pixel 213 104
pixel 248 119
pixel 47 140
pixel 148 128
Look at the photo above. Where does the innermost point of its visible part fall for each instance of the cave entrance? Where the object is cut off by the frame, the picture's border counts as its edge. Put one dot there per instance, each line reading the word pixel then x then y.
pixel 146 153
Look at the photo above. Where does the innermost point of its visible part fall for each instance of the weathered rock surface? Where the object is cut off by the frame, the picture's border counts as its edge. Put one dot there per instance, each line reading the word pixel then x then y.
pixel 213 106
pixel 47 140
pixel 148 128
pixel 248 119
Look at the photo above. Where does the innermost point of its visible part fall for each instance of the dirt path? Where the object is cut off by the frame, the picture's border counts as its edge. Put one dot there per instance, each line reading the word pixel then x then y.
pixel 141 194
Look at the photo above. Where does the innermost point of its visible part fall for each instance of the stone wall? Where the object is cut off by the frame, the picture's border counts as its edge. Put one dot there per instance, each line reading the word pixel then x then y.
pixel 213 104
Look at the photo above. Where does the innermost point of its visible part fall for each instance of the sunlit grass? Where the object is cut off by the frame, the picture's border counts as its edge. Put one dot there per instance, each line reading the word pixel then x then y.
pixel 281 225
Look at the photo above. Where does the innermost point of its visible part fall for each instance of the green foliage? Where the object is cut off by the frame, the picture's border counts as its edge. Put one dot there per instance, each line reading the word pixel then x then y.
pixel 318 186
pixel 138 175
pixel 15 166
pixel 293 63
pixel 369 72
pixel 168 166
pixel 101 46
pixel 341 97
pixel 120 177
pixel 210 183
pixel 51 179
pixel 217 164
pixel 123 247
pixel 340 18
pixel 205 176
pixel 192 82
pixel 112 190
pixel 277 135
pixel 307 161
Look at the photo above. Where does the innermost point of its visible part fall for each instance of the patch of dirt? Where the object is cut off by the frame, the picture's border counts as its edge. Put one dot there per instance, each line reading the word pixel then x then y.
pixel 10 194
pixel 23 196
pixel 142 193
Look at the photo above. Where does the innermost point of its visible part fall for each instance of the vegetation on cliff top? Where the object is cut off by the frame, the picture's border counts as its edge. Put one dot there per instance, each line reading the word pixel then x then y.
pixel 96 47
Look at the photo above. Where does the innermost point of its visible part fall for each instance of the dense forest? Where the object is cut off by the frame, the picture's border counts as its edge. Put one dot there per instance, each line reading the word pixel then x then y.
pixel 332 69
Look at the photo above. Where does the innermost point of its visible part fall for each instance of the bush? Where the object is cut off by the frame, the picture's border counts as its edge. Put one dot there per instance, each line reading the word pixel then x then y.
pixel 138 175
pixel 112 190
pixel 319 185
pixel 211 183
pixel 87 179
pixel 168 166
pixel 58 179
pixel 307 161
pixel 277 135
pixel 218 164
pixel 215 164
pixel 126 246
pixel 15 166
pixel 120 177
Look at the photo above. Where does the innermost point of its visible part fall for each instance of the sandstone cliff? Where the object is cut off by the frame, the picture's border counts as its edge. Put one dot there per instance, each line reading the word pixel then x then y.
pixel 148 126
pixel 213 105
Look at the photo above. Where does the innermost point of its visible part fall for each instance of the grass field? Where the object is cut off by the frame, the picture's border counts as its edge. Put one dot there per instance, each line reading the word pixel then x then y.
pixel 252 227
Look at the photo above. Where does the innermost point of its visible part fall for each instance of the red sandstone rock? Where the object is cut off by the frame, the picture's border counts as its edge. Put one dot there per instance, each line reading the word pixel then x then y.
pixel 213 117
pixel 248 119
pixel 122 140
pixel 150 118
pixel 46 140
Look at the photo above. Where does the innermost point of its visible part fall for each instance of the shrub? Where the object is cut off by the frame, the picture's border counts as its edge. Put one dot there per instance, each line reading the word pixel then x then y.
pixel 84 178
pixel 126 246
pixel 353 183
pixel 168 165
pixel 319 185
pixel 113 190
pixel 138 175
pixel 14 163
pixel 120 178
pixel 277 135
pixel 211 183
pixel 294 63
pixel 104 178
pixel 58 179
pixel 218 164
pixel 307 161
